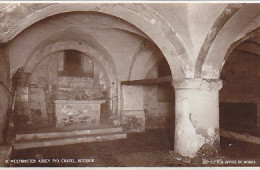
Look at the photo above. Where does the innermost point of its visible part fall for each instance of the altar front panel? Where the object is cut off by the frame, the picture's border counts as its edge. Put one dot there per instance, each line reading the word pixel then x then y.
pixel 72 113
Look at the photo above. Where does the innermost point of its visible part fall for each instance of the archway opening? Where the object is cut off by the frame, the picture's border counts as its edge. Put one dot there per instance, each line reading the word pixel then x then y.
pixel 239 99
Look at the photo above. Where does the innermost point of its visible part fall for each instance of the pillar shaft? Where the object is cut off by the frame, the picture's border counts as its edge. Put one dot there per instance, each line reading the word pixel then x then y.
pixel 197 117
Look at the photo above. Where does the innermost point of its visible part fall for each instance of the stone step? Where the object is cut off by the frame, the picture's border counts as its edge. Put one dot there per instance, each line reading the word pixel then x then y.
pixel 245 137
pixel 60 141
pixel 46 135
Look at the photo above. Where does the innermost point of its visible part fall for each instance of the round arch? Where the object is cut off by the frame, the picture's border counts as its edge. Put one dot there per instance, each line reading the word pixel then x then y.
pixel 141 16
pixel 72 45
pixel 86 49
pixel 249 35
pixel 224 32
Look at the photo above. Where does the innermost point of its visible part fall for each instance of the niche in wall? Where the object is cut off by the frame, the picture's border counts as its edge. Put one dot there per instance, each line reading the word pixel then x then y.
pixel 76 65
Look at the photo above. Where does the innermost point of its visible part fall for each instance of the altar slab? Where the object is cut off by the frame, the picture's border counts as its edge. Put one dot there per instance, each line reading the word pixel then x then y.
pixel 82 113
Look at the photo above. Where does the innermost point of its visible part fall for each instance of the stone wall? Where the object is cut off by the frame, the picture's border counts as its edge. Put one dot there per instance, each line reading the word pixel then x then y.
pixel 31 106
pixel 132 114
pixel 158 103
pixel 149 106
pixel 241 78
pixel 4 103
pixel 238 116
pixel 157 114
pixel 4 79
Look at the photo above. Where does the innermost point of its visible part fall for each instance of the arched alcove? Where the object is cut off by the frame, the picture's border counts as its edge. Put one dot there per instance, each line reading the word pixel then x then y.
pixel 211 58
pixel 95 55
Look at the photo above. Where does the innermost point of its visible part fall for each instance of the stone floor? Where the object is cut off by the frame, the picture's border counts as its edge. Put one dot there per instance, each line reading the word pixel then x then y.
pixel 141 150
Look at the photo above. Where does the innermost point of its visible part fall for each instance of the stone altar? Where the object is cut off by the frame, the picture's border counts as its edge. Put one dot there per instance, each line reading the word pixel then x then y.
pixel 77 113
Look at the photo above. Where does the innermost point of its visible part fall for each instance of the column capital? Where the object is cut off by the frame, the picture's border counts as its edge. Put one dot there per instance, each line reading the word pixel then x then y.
pixel 198 83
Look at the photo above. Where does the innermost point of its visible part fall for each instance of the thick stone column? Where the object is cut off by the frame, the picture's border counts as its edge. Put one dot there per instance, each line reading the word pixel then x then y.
pixel 197 117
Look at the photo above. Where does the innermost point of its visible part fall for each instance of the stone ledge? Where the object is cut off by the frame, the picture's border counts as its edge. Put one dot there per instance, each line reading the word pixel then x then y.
pixel 245 137
pixel 48 135
pixel 79 101
pixel 69 140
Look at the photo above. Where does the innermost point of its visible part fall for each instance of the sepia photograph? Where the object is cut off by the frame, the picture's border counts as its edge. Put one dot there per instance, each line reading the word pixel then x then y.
pixel 130 84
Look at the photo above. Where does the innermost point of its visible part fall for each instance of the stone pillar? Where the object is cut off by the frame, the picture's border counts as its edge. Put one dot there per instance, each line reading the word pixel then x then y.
pixel 258 115
pixel 132 113
pixel 196 117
